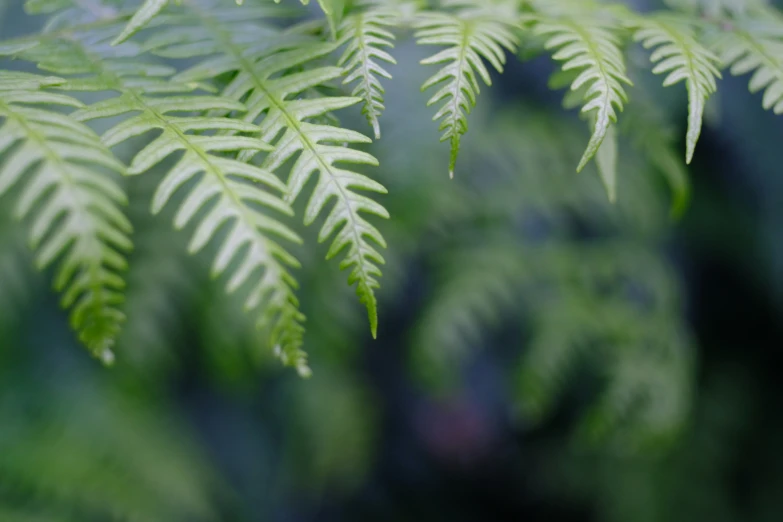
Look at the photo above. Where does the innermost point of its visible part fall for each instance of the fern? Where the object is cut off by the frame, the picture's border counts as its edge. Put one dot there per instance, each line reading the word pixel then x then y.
pixel 264 78
pixel 74 207
pixel 588 45
pixel 244 98
pixel 470 36
pixel 366 36
pixel 753 45
pixel 232 189
pixel 683 59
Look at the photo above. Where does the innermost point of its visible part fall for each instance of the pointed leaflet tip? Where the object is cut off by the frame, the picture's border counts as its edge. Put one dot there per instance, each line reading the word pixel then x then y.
pixel 146 12
pixel 376 128
pixel 695 117
pixel 372 313
pixel 454 154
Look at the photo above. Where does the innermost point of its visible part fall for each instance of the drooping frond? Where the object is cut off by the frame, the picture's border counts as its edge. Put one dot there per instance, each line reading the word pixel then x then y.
pixel 72 202
pixel 588 46
pixel 754 46
pixel 245 198
pixel 366 36
pixel 469 36
pixel 270 80
pixel 682 58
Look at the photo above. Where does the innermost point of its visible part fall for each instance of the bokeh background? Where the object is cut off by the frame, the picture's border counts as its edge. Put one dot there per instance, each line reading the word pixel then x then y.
pixel 542 355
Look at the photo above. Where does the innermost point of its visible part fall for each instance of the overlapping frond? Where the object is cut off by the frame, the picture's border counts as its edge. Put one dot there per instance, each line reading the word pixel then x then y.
pixel 227 192
pixel 677 54
pixel 270 77
pixel 754 46
pixel 72 202
pixel 366 36
pixel 587 45
pixel 470 36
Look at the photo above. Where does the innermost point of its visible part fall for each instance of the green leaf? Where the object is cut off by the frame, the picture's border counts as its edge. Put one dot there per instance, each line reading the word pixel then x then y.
pixel 223 193
pixel 333 9
pixel 589 46
pixel 366 37
pixel 72 205
pixel 469 38
pixel 272 79
pixel 606 161
pixel 682 58
pixel 141 18
pixel 754 46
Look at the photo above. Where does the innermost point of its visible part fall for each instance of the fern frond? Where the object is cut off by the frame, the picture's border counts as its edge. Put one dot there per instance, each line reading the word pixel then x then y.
pixel 231 193
pixel 366 36
pixel 73 204
pixel 682 58
pixel 588 46
pixel 470 37
pixel 270 78
pixel 751 46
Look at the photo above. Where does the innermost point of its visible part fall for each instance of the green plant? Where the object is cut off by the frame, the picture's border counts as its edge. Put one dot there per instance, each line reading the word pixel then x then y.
pixel 244 96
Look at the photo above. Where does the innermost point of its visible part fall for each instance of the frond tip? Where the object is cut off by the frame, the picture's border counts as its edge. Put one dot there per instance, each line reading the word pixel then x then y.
pixel 589 47
pixel 679 55
pixel 141 18
pixel 469 38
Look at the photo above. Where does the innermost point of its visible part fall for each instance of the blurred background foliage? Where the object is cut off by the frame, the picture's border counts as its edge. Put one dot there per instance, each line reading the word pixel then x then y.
pixel 543 354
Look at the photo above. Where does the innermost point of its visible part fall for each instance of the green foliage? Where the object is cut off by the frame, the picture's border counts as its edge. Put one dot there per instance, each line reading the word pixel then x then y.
pixel 754 46
pixel 609 304
pixel 684 59
pixel 475 33
pixel 73 205
pixel 366 36
pixel 235 105
pixel 119 459
pixel 589 46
